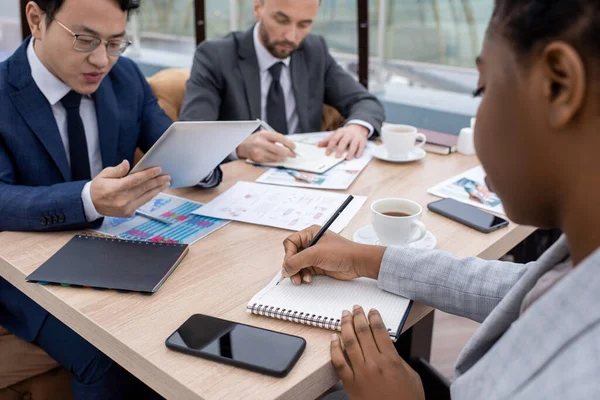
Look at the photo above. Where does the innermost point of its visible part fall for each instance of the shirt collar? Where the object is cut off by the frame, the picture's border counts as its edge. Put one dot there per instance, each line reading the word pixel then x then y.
pixel 51 87
pixel 265 59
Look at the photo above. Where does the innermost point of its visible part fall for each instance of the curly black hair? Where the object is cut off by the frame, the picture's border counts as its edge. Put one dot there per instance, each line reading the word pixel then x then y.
pixel 51 7
pixel 531 24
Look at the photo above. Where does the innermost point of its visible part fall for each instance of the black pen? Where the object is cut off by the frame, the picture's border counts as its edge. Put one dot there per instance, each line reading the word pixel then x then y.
pixel 327 225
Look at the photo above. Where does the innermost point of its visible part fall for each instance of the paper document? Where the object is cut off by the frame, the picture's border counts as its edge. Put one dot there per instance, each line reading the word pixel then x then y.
pixel 281 207
pixel 310 158
pixel 470 188
pixel 183 227
pixel 339 177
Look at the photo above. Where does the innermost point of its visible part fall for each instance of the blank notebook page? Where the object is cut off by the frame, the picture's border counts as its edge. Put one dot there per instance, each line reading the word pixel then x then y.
pixel 310 158
pixel 321 302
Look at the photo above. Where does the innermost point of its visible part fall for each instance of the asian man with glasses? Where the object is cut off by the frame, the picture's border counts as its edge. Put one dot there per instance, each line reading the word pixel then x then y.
pixel 72 113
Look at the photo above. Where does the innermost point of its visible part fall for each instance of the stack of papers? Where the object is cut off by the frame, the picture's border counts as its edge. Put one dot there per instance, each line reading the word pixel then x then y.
pixel 470 188
pixel 340 177
pixel 309 158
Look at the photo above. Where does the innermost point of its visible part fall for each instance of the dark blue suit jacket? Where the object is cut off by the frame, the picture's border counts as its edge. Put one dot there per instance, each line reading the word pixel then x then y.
pixel 36 191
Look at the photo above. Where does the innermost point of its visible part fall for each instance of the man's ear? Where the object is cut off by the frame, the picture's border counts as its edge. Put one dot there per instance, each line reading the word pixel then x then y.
pixel 36 20
pixel 257 9
pixel 565 82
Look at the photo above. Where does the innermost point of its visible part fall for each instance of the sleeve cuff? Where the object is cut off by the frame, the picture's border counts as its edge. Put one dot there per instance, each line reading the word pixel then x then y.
pixel 233 156
pixel 362 123
pixel 213 179
pixel 91 214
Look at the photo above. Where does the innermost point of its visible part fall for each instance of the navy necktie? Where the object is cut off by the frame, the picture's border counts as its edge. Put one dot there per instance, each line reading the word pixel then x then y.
pixel 80 161
pixel 276 116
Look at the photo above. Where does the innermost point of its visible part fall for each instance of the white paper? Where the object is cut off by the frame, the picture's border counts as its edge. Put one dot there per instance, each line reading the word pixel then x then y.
pixel 309 158
pixel 281 207
pixel 471 181
pixel 339 177
pixel 327 298
pixel 185 227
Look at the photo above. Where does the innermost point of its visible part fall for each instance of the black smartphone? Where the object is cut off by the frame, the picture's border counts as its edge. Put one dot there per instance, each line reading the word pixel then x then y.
pixel 468 215
pixel 241 345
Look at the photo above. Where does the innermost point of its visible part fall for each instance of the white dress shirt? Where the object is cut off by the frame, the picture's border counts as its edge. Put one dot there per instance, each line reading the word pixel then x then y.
pixel 54 90
pixel 266 61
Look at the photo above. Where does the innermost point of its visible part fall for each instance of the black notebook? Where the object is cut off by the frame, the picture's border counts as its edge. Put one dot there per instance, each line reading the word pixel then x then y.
pixel 111 263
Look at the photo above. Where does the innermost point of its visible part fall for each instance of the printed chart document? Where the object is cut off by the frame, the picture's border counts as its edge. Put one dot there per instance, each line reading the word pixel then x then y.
pixel 281 207
pixel 180 226
pixel 339 177
pixel 470 188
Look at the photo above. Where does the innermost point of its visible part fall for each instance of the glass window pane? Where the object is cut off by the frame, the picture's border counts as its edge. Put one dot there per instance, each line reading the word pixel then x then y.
pixel 163 35
pixel 10 28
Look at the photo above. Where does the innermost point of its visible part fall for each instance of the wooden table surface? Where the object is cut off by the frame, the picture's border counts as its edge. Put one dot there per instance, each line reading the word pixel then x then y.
pixel 219 276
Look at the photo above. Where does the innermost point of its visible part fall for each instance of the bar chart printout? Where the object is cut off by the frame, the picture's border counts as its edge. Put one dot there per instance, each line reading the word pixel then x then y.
pixel 179 226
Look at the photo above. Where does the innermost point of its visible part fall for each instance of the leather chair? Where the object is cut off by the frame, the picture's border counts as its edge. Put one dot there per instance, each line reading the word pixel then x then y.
pixel 28 373
pixel 168 86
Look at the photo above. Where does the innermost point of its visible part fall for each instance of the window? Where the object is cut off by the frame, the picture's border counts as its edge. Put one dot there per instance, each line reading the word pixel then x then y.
pixel 422 52
pixel 10 28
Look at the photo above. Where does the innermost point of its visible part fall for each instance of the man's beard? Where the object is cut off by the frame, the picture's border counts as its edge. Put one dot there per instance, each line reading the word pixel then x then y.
pixel 271 46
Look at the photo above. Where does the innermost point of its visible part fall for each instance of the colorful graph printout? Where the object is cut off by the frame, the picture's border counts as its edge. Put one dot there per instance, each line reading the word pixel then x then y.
pixel 185 227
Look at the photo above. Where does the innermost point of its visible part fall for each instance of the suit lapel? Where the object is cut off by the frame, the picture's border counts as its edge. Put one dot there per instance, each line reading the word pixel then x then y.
pixel 35 109
pixel 550 324
pixel 107 113
pixel 251 75
pixel 299 74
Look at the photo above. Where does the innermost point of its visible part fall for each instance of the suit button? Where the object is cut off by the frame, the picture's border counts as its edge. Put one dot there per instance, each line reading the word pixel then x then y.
pixel 61 218
pixel 54 219
pixel 43 221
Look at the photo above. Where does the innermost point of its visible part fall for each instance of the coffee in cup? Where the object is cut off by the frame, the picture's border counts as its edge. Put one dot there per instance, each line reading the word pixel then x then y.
pixel 396 222
pixel 400 140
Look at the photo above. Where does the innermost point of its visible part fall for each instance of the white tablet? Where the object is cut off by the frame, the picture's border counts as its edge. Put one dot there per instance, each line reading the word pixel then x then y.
pixel 189 151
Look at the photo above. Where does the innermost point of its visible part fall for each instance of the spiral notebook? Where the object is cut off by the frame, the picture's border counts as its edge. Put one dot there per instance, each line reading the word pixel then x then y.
pixel 321 302
pixel 309 158
pixel 111 263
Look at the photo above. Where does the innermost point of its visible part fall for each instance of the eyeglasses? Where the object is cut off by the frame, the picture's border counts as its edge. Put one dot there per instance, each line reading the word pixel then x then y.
pixel 89 43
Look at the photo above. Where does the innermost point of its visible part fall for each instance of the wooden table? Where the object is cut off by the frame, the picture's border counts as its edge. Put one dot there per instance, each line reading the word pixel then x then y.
pixel 218 277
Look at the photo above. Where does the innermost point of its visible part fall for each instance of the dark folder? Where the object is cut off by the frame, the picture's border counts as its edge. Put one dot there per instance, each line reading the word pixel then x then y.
pixel 111 263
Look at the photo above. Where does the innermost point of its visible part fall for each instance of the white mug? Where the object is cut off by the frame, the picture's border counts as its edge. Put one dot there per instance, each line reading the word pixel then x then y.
pixel 400 140
pixel 397 230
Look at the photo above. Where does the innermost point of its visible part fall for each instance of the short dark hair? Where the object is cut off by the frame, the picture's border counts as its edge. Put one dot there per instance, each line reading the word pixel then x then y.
pixel 530 24
pixel 51 7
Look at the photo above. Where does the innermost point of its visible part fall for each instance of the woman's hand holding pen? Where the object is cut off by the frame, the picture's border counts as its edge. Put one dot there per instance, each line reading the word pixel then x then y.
pixel 333 256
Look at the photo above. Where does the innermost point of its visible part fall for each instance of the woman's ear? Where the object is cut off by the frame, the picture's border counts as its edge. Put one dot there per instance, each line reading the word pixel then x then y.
pixel 564 82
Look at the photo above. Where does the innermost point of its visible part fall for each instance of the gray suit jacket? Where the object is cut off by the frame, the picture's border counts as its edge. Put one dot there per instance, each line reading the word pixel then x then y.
pixel 225 84
pixel 551 351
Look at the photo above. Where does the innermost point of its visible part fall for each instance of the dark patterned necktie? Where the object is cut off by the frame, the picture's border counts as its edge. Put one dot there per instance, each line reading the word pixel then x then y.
pixel 80 161
pixel 276 116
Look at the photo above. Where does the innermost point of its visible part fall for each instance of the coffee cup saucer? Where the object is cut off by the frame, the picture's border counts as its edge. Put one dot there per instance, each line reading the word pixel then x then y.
pixel 366 235
pixel 415 154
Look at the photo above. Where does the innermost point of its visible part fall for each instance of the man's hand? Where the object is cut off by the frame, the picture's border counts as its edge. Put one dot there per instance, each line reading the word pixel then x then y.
pixel 333 256
pixel 373 369
pixel 115 194
pixel 262 148
pixel 352 138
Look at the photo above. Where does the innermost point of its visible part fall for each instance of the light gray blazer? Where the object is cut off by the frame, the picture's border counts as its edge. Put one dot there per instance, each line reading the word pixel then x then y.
pixel 551 351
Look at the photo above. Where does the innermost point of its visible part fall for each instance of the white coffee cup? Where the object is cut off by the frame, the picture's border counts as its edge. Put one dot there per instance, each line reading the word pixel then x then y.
pixel 397 230
pixel 400 140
